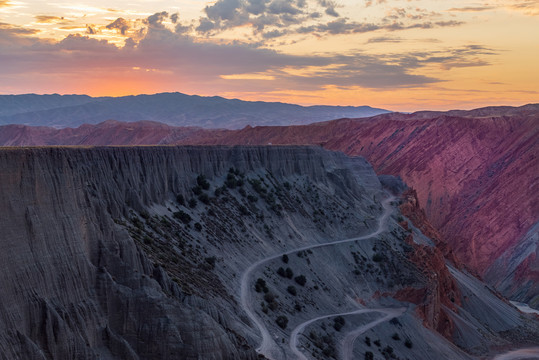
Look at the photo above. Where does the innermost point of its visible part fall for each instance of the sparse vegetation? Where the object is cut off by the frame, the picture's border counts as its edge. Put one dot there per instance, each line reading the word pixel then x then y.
pixel 180 199
pixel 282 321
pixel 292 290
pixel 261 286
pixel 338 323
pixel 408 343
pixel 301 280
pixel 182 216
pixel 377 257
pixel 202 182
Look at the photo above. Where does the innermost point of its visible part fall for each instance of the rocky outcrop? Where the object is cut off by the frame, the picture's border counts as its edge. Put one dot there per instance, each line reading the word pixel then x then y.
pixel 441 291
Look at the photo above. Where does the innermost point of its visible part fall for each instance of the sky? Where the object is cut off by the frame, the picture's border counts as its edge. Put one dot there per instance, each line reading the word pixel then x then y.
pixel 402 55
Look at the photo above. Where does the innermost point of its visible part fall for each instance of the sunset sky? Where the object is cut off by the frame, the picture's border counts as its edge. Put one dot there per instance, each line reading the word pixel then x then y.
pixel 397 54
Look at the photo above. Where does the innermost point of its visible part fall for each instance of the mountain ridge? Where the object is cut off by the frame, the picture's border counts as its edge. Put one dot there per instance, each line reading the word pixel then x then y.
pixel 170 108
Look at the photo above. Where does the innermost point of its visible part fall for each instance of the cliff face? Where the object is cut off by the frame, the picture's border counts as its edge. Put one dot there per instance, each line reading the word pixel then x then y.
pixel 77 285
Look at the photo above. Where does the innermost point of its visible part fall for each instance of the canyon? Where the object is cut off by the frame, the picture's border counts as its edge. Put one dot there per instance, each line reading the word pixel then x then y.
pixel 475 173
pixel 183 252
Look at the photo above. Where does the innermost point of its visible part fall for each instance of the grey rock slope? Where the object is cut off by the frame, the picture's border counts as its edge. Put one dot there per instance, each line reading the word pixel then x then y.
pixel 170 108
pixel 137 253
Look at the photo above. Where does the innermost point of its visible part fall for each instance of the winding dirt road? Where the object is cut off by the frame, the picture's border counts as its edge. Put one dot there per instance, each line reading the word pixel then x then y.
pixel 268 347
pixel 348 342
pixel 520 354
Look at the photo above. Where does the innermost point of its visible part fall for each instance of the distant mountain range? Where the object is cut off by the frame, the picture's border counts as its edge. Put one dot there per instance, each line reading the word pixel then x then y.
pixel 169 108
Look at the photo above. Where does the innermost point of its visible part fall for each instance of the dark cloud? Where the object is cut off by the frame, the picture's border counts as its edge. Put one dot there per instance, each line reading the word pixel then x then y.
pixel 91 30
pixel 156 20
pixel 16 30
pixel 174 18
pixel 472 8
pixel 382 39
pixel 205 26
pixel 120 24
pixel 529 7
pixel 48 19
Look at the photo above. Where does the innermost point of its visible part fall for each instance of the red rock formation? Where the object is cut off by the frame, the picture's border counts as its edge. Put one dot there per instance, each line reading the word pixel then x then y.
pixel 441 289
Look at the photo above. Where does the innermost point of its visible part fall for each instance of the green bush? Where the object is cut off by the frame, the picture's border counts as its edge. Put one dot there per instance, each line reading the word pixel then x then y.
pixel 260 286
pixel 377 257
pixel 204 198
pixel 408 343
pixel 182 216
pixel 282 321
pixel 292 290
pixel 202 182
pixel 180 199
pixel 289 273
pixel 301 280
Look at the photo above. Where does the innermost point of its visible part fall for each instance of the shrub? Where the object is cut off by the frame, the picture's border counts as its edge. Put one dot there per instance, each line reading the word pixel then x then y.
pixel 408 343
pixel 292 290
pixel 369 355
pixel 395 336
pixel 281 272
pixel 269 297
pixel 211 261
pixel 388 349
pixel 204 198
pixel 192 203
pixel 198 227
pixel 289 273
pixel 377 343
pixel 182 216
pixel 230 181
pixel 197 190
pixel 338 323
pixel 282 321
pixel 368 341
pixel 377 257
pixel 252 198
pixel 284 258
pixel 180 199
pixel 260 286
pixel 243 210
pixel 301 280
pixel 202 182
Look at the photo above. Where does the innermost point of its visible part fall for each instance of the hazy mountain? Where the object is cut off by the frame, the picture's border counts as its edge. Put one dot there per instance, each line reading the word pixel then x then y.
pixel 170 108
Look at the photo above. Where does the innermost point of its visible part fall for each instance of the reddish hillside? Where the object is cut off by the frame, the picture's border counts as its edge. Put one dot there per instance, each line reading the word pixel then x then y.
pixel 475 176
pixel 106 133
